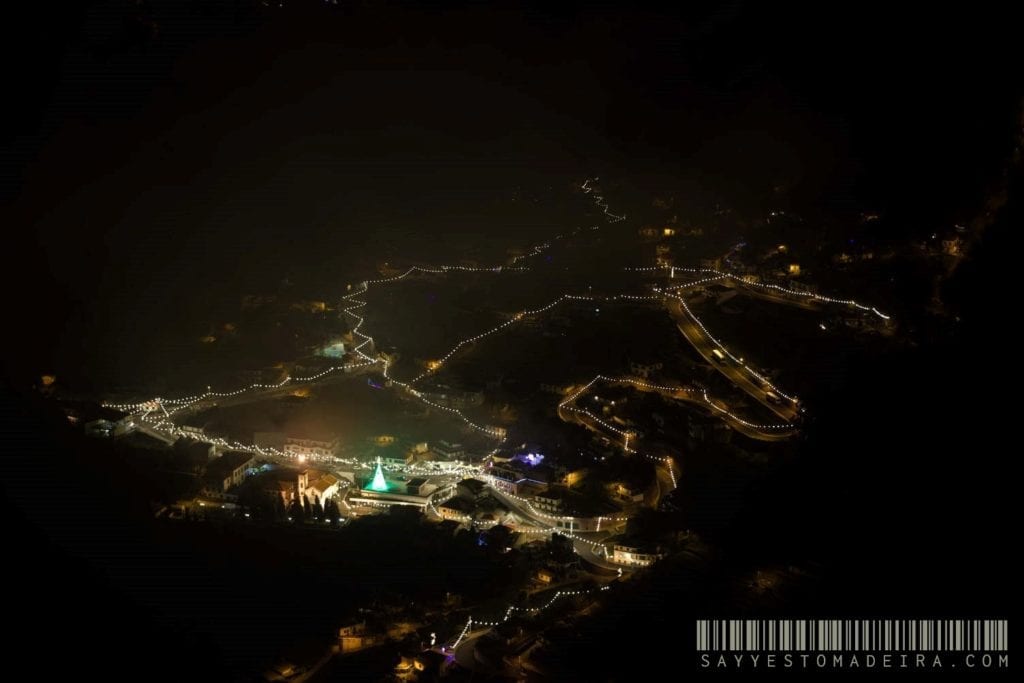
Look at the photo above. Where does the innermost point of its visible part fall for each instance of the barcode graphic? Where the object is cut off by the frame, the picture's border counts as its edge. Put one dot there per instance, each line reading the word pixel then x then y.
pixel 852 635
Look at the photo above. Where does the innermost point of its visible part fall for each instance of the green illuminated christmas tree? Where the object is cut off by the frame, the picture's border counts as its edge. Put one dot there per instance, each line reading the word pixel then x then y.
pixel 379 483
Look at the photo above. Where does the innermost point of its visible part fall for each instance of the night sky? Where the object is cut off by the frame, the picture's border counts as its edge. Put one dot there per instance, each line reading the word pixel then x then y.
pixel 164 157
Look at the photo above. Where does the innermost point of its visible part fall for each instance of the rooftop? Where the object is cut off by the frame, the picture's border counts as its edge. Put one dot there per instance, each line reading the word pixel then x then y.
pixel 638 544
pixel 226 464
pixel 323 481
pixel 458 505
pixel 475 486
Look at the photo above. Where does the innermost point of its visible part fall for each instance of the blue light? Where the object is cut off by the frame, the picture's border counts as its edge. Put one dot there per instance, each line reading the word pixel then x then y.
pixel 335 350
pixel 531 459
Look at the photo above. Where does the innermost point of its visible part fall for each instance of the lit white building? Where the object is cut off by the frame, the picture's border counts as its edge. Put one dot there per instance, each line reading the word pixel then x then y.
pixel 456 509
pixel 292 485
pixel 446 450
pixel 228 470
pixel 310 449
pixel 636 555
pixel 550 501
pixel 324 486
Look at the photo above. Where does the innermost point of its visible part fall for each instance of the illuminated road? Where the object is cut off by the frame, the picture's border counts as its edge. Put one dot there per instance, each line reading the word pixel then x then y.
pixel 159 414
pixel 773 296
pixel 664 483
pixel 465 653
pixel 569 412
pixel 260 394
pixel 740 376
pixel 588 546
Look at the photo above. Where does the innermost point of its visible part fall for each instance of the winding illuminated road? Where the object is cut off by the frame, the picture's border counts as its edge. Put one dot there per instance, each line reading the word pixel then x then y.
pixel 733 369
pixel 158 414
